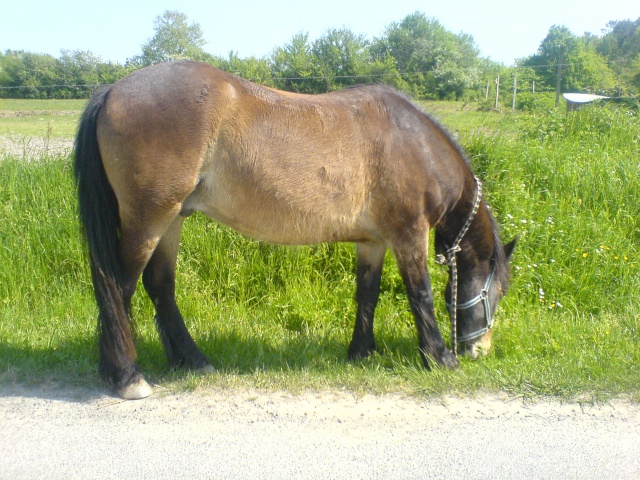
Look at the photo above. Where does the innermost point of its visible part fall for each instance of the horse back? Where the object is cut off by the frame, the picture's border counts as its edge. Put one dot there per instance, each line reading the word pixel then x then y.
pixel 281 167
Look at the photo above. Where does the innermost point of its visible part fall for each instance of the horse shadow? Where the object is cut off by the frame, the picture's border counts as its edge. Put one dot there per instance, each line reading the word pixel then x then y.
pixel 67 371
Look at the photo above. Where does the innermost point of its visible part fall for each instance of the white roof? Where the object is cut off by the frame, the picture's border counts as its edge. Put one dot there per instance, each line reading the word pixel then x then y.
pixel 581 97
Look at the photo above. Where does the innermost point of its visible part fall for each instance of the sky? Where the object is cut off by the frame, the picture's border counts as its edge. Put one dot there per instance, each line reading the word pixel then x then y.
pixel 115 30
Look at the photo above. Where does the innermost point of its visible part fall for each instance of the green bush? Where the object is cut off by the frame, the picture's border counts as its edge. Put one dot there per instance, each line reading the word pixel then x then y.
pixel 535 102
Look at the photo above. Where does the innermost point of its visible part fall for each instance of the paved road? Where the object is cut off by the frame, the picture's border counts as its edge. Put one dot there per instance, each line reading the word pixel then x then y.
pixel 55 434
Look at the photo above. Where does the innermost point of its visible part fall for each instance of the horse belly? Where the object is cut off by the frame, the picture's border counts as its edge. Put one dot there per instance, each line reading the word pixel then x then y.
pixel 293 210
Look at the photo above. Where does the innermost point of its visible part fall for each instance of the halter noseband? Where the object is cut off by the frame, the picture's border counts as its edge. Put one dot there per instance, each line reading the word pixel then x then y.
pixel 449 258
pixel 484 298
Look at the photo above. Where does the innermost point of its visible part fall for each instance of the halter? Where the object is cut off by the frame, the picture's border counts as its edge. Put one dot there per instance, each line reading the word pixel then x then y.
pixel 449 258
pixel 483 297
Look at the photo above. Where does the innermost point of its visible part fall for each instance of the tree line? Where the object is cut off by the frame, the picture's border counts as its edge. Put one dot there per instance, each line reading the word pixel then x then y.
pixel 416 55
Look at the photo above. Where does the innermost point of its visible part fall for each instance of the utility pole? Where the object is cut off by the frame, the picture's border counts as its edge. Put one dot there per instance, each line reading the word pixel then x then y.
pixel 497 90
pixel 515 88
pixel 559 76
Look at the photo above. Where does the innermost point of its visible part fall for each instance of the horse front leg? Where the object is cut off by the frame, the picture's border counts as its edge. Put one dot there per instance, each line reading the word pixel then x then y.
pixel 413 269
pixel 370 258
pixel 158 279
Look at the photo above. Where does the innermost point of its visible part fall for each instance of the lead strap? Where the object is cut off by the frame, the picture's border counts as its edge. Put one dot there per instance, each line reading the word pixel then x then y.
pixel 449 258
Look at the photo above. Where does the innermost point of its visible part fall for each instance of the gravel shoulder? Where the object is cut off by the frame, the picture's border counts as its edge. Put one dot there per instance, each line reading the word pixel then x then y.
pixel 78 433
pixel 33 148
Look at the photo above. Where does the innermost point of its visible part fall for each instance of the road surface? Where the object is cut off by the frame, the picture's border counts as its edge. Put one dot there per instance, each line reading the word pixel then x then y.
pixel 53 433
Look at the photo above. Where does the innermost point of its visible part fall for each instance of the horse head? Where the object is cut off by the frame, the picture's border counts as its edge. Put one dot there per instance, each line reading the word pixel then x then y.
pixel 479 274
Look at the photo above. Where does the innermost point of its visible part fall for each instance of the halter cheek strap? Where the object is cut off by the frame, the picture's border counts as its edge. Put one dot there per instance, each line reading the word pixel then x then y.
pixel 484 298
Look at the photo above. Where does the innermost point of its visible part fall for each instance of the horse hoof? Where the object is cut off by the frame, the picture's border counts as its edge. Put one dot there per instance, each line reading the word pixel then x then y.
pixel 206 370
pixel 136 390
pixel 449 361
pixel 356 353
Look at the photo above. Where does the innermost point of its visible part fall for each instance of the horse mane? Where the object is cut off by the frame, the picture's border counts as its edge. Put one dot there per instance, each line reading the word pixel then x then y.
pixel 502 270
pixel 429 116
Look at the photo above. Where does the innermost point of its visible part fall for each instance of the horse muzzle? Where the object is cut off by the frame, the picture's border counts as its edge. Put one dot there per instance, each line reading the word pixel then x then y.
pixel 478 347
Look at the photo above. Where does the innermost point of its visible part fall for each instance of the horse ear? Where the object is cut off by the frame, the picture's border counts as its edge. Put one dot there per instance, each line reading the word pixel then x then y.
pixel 509 247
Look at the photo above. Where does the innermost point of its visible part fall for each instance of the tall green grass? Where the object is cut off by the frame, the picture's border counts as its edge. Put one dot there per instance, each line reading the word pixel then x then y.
pixel 44 294
pixel 569 186
pixel 22 119
pixel 281 317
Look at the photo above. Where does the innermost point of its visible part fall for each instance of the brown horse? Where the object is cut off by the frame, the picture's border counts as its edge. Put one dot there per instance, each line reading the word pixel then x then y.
pixel 361 165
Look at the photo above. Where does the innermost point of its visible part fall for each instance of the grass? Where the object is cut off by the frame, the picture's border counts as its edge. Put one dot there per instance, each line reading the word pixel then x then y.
pixel 29 105
pixel 463 117
pixel 21 120
pixel 281 317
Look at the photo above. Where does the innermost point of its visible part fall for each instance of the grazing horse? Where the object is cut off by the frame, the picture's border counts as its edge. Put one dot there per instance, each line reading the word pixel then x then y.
pixel 362 165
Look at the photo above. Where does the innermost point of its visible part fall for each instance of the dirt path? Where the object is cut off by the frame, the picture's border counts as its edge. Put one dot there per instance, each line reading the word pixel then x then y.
pixel 34 147
pixel 52 433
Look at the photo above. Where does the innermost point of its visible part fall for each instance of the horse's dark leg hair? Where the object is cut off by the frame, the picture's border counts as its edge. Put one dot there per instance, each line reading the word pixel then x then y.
pixel 159 280
pixel 116 347
pixel 121 371
pixel 416 279
pixel 370 258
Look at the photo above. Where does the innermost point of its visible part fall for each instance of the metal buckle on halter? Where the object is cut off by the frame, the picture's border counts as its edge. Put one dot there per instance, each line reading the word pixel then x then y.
pixel 449 258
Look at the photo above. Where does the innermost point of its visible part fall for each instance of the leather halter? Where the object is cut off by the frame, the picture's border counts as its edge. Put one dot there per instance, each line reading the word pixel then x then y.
pixel 483 297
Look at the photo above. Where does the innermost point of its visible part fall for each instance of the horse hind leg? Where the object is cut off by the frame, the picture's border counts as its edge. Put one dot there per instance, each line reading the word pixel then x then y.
pixel 158 279
pixel 117 349
pixel 141 233
pixel 370 258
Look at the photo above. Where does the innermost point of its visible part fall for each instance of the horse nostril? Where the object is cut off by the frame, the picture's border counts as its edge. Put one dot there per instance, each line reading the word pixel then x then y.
pixel 472 352
pixel 479 348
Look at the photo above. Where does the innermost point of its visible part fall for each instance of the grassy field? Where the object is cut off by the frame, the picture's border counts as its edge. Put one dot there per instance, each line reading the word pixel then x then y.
pixel 280 317
pixel 21 120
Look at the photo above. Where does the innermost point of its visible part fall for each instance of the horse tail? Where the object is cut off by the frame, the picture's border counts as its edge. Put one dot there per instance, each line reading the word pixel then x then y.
pixel 100 223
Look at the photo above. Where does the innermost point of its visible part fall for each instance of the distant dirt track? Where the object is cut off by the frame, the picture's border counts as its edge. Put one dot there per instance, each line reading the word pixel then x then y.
pixel 34 147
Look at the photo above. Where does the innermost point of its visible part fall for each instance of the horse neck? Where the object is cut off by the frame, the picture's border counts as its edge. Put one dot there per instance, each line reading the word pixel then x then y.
pixel 479 242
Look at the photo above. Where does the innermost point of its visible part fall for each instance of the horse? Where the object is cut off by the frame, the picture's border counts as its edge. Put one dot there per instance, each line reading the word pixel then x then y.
pixel 361 165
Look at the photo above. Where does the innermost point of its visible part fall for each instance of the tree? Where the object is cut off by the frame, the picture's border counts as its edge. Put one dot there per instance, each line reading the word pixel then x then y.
pixel 174 39
pixel 254 69
pixel 340 57
pixel 620 46
pixel 30 75
pixel 436 62
pixel 76 69
pixel 294 65
pixel 79 72
pixel 621 40
pixel 582 68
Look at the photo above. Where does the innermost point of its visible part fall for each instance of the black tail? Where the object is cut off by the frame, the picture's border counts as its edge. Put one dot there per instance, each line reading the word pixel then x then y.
pixel 100 221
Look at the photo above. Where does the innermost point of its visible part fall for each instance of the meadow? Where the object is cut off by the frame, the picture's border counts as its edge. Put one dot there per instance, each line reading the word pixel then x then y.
pixel 272 317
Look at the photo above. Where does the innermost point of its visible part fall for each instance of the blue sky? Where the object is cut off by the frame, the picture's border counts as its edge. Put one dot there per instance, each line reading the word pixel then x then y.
pixel 115 30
